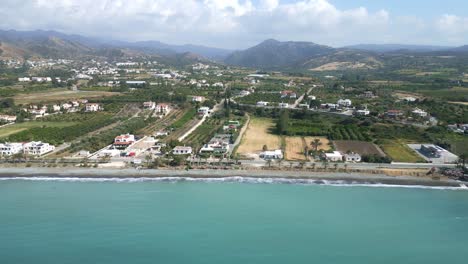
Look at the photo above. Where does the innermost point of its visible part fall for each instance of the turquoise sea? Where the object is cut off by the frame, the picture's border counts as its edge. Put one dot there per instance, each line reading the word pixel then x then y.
pixel 218 222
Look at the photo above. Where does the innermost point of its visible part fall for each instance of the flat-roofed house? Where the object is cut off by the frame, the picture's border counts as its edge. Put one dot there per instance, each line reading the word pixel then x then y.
pixel 37 148
pixel 8 149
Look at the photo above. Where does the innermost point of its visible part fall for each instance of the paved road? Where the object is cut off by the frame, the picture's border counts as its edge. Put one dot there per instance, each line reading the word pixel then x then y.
pixel 259 163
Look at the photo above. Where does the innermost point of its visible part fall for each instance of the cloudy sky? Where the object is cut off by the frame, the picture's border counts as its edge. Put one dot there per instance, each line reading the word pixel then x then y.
pixel 241 23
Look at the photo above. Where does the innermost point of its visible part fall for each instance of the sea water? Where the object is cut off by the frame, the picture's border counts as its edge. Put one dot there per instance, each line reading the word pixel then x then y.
pixel 135 221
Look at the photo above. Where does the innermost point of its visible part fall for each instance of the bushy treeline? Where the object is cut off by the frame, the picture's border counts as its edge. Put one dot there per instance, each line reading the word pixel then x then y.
pixel 58 135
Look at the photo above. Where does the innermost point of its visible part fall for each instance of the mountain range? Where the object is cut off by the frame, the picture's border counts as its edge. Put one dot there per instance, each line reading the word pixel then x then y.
pixel 270 54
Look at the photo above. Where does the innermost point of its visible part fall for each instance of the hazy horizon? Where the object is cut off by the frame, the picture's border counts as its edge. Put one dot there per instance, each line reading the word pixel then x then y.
pixel 238 24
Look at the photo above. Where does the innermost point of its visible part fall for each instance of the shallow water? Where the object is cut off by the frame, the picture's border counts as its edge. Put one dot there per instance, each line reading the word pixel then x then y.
pixel 135 221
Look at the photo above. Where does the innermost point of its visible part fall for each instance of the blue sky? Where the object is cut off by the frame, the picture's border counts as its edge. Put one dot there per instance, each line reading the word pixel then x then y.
pixel 238 24
pixel 423 8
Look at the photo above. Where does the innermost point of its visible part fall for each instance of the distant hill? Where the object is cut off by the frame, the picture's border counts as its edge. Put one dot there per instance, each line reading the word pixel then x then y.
pixel 275 54
pixel 51 44
pixel 384 48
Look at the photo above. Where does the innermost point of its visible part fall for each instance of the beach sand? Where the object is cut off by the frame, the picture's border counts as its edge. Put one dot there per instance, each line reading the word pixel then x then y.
pixel 351 178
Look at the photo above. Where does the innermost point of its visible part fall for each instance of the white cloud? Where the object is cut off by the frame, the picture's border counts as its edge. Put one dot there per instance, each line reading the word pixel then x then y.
pixel 224 23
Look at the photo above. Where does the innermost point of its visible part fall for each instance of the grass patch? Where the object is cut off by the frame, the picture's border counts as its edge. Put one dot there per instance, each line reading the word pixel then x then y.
pixel 399 152
pixel 16 128
pixel 185 118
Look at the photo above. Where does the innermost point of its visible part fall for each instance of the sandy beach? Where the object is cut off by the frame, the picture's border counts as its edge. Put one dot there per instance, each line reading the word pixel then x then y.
pixel 95 173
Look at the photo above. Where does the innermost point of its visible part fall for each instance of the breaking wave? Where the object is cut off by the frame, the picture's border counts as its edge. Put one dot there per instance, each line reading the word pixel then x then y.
pixel 237 179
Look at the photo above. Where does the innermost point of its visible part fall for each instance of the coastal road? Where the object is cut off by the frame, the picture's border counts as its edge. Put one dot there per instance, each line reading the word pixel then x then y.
pixel 364 166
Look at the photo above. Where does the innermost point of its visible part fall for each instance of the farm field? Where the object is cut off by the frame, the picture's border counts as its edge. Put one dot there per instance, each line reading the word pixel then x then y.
pixel 18 127
pixel 360 147
pixel 203 133
pixel 294 148
pixel 325 143
pixel 399 152
pixel 59 95
pixel 257 135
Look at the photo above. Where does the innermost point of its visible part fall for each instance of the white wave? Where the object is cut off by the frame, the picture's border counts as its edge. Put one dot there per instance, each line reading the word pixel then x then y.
pixel 236 179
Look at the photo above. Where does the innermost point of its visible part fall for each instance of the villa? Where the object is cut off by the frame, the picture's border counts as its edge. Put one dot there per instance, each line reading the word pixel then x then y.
pixel 271 155
pixel 8 149
pixel 182 150
pixel 163 109
pixel 92 107
pixel 124 141
pixel 37 148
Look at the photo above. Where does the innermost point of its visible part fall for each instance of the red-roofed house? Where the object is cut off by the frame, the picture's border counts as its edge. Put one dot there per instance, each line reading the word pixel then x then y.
pixel 163 108
pixel 123 141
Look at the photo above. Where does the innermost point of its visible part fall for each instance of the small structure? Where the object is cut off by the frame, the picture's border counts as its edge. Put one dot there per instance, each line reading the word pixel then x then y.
pixel 262 103
pixel 204 110
pixel 344 102
pixel 283 105
pixel 352 157
pixel 272 155
pixel 92 107
pixel 149 105
pixel 335 156
pixel 394 113
pixel 37 148
pixel 198 99
pixel 7 118
pixel 419 112
pixel 182 150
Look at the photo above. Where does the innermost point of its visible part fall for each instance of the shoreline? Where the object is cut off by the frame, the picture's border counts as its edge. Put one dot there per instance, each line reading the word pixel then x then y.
pixel 240 175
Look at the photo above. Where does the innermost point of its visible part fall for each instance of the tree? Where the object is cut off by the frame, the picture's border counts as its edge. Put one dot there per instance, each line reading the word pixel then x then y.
pixel 462 160
pixel 282 124
pixel 316 144
pixel 265 148
pixel 148 160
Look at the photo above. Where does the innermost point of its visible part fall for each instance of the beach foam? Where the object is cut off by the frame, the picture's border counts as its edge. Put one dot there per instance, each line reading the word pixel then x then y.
pixel 237 179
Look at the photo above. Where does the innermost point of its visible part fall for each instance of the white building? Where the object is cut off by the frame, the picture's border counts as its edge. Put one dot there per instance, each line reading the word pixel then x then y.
pixel 419 112
pixel 198 99
pixel 123 141
pixel 163 109
pixel 410 99
pixel 244 93
pixel 37 148
pixel 182 150
pixel 283 105
pixel 312 97
pixel 344 102
pixel 8 149
pixel 352 157
pixel 269 155
pixel 204 110
pixel 24 79
pixel 149 105
pixel 335 156
pixel 362 112
pixel 56 108
pixel 262 103
pixel 7 118
pixel 92 107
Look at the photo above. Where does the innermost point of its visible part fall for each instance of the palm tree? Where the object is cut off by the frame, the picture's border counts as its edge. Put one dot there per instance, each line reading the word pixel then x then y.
pixel 316 144
pixel 346 167
pixel 336 166
pixel 301 164
pixel 268 161
pixel 462 160
pixel 325 164
pixel 313 165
